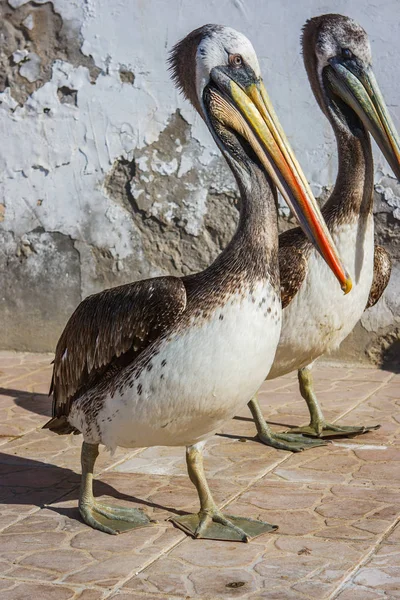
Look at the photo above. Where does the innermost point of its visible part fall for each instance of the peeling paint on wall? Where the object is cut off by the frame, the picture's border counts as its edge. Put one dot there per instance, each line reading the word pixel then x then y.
pixel 32 36
pixel 169 197
pixel 108 175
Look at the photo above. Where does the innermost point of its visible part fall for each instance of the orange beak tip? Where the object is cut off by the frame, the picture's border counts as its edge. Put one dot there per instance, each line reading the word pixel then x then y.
pixel 347 285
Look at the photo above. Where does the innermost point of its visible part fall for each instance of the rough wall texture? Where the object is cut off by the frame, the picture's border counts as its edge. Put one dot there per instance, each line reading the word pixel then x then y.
pixel 107 175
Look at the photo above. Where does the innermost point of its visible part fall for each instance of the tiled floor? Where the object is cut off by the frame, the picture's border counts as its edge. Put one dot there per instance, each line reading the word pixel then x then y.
pixel 337 507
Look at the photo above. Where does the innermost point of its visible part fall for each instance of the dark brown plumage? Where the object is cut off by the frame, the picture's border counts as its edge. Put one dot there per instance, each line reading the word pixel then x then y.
pixel 106 333
pixel 382 271
pixel 292 265
pixel 182 63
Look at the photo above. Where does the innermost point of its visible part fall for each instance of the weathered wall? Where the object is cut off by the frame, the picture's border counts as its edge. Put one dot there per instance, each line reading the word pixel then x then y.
pixel 107 175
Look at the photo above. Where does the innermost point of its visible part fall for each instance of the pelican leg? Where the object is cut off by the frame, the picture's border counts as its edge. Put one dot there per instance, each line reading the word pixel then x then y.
pixel 281 441
pixel 209 522
pixel 318 427
pixel 109 519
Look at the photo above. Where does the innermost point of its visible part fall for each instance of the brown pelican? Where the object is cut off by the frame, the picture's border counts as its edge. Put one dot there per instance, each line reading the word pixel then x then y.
pixel 316 319
pixel 167 361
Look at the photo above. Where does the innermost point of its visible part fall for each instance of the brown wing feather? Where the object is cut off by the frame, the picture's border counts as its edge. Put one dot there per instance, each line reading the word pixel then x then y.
pixel 292 263
pixel 382 270
pixel 108 331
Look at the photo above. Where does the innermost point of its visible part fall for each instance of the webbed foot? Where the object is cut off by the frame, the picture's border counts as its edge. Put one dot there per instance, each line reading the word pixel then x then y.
pixel 287 441
pixel 109 519
pixel 318 427
pixel 213 525
pixel 280 441
pixel 209 523
pixel 322 429
pixel 112 519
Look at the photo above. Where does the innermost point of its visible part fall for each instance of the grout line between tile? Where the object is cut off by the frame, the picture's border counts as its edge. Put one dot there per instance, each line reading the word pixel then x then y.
pixel 20 518
pixel 256 480
pixel 367 397
pixel 123 459
pixel 279 388
pixel 75 588
pixel 364 560
pixel 151 561
pixel 28 374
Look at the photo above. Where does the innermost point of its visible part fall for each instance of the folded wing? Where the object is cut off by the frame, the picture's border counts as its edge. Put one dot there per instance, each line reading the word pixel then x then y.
pixel 382 270
pixel 292 255
pixel 108 331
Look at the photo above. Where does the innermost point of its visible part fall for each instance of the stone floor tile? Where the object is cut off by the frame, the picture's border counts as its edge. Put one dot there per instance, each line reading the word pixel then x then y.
pixel 273 568
pixel 323 511
pixel 167 576
pixel 90 594
pixel 226 583
pixel 341 462
pixel 382 409
pixel 224 458
pixel 381 573
pixel 44 447
pixel 354 592
pixel 206 553
pixel 382 578
pixel 339 372
pixel 25 375
pixel 61 548
pixel 333 504
pixel 37 591
pixel 141 596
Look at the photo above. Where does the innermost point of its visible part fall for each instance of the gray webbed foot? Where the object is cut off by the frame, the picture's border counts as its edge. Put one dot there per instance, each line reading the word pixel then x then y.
pixel 280 441
pixel 327 430
pixel 289 442
pixel 213 525
pixel 112 519
pixel 109 519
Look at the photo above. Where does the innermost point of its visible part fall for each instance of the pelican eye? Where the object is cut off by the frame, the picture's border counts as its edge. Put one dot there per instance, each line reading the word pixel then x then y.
pixel 235 60
pixel 346 53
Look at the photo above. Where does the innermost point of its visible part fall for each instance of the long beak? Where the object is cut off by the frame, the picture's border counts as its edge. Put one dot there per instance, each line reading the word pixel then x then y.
pixel 250 113
pixel 359 89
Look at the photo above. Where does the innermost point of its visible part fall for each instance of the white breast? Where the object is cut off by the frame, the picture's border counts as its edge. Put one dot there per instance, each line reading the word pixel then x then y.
pixel 320 316
pixel 197 381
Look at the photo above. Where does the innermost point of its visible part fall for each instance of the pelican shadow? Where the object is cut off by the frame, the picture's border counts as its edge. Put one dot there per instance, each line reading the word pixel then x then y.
pixel 28 482
pixel 31 401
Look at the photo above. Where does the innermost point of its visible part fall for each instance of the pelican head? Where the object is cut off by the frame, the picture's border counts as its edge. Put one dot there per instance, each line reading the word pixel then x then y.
pixel 217 69
pixel 337 56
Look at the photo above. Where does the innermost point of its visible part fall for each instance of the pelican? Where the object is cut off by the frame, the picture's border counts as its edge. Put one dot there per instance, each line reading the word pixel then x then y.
pixel 166 361
pixel 316 319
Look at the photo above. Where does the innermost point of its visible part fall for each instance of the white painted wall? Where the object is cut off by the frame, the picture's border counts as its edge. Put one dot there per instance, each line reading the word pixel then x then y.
pixel 62 158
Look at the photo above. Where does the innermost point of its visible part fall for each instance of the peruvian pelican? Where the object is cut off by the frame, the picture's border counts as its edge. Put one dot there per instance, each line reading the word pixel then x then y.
pixel 167 361
pixel 316 319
